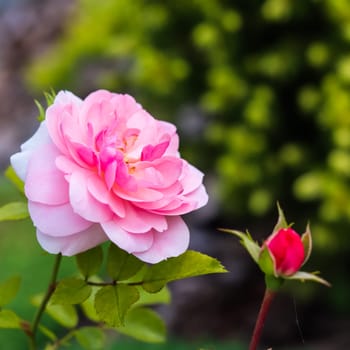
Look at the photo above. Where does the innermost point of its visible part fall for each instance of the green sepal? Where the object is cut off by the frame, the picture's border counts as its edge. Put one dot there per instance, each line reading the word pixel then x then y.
pixel 9 289
pixel 91 338
pixel 49 98
pixel 71 291
pixel 122 265
pixel 281 221
pixel 145 325
pixel 247 241
pixel 273 283
pixel 16 181
pixel 266 262
pixel 306 239
pixel 14 211
pixel 41 110
pixel 189 264
pixel 113 302
pixel 307 276
pixel 89 262
pixel 9 320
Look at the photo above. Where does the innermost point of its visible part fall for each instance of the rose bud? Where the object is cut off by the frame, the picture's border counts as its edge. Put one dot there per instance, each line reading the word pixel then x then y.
pixel 286 250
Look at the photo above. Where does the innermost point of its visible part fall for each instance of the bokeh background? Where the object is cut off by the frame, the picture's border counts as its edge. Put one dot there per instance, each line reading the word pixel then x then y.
pixel 260 93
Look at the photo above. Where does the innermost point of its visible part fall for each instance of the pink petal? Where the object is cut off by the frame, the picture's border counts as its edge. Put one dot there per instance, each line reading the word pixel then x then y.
pixel 191 178
pixel 151 152
pixel 128 241
pixel 110 174
pixel 66 165
pixel 140 221
pixel 65 111
pixel 99 191
pixel 72 244
pixel 40 138
pixel 125 105
pixel 87 155
pixel 170 243
pixel 141 195
pixel 159 174
pixel 19 161
pixel 44 182
pixel 56 220
pixel 83 203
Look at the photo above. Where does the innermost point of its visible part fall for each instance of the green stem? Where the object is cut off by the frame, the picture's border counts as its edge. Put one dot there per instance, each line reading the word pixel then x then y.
pixel 260 321
pixel 50 289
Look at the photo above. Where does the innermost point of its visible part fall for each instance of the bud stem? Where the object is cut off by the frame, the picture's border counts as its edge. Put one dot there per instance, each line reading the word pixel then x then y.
pixel 260 321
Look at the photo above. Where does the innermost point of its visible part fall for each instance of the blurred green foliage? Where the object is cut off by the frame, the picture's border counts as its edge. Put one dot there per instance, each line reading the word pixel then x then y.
pixel 267 84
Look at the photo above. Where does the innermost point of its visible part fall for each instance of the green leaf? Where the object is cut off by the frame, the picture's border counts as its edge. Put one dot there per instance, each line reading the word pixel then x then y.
pixel 307 243
pixel 65 315
pixel 122 265
pixel 8 319
pixel 71 291
pixel 161 297
pixel 89 262
pixel 14 211
pixel 247 241
pixel 91 338
pixel 88 306
pixel 9 289
pixel 266 262
pixel 12 176
pixel 145 325
pixel 113 302
pixel 48 333
pixel 307 276
pixel 189 264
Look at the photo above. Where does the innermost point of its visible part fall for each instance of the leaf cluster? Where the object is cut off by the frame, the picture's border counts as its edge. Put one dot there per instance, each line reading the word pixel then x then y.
pixel 119 298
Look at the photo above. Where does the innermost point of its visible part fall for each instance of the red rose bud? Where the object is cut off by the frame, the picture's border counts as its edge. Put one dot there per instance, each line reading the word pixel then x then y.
pixel 287 250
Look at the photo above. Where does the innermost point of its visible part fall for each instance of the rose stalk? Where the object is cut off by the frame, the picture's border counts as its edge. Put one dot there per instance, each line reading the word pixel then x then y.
pixel 280 258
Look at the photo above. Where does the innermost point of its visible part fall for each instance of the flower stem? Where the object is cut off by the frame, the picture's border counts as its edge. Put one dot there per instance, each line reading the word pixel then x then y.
pixel 260 321
pixel 50 289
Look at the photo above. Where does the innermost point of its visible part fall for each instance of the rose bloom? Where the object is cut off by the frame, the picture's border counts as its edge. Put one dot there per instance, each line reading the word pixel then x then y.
pixel 104 169
pixel 287 250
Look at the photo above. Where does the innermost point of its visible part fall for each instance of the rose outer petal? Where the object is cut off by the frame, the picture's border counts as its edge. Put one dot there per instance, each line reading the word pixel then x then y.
pixel 56 220
pixel 72 244
pixel 44 182
pixel 130 242
pixel 20 160
pixel 170 243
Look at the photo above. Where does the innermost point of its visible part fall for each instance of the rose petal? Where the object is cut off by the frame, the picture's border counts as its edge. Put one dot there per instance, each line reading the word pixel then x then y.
pixel 44 182
pixel 56 220
pixel 72 244
pixel 170 243
pixel 83 203
pixel 99 191
pixel 20 160
pixel 140 221
pixel 125 240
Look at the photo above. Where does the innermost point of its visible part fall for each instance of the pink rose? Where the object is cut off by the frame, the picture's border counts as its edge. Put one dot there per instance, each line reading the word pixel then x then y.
pixel 103 168
pixel 287 250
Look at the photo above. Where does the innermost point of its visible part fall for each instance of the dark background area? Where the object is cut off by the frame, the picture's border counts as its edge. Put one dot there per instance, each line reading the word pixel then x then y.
pixel 260 93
